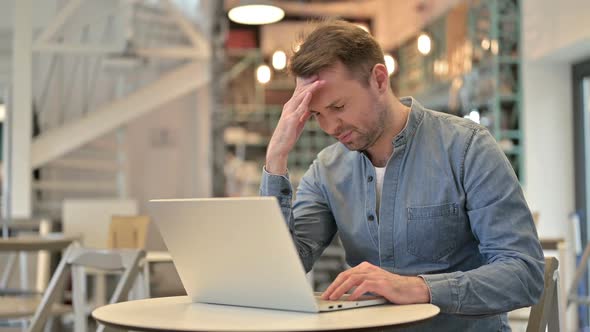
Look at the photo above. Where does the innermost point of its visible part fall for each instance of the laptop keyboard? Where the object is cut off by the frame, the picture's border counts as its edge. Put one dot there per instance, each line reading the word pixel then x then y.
pixel 344 298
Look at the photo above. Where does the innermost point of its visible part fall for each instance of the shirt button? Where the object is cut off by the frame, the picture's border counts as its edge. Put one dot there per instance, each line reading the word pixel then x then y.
pixel 371 217
pixel 370 178
pixel 286 191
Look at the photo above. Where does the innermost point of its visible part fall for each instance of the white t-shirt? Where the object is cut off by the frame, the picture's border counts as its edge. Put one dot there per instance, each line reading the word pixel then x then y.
pixel 380 175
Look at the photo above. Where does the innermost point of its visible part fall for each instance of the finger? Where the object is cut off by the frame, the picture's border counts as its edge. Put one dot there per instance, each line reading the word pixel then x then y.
pixel 335 284
pixel 303 106
pixel 366 267
pixel 340 279
pixel 303 119
pixel 299 95
pixel 352 281
pixel 365 287
pixel 303 81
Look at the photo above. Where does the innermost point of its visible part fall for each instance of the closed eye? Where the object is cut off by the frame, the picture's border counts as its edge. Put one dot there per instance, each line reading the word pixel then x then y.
pixel 338 108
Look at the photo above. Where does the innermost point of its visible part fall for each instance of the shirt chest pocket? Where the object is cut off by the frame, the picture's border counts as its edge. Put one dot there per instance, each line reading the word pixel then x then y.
pixel 432 230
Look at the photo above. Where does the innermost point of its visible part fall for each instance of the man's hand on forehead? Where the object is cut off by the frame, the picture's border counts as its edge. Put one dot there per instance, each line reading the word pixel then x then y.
pixel 304 81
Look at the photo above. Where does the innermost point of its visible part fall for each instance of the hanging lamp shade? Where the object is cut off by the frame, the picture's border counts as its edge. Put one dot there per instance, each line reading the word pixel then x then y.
pixel 255 13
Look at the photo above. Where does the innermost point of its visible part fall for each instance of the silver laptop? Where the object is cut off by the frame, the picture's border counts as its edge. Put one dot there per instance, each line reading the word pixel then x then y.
pixel 238 251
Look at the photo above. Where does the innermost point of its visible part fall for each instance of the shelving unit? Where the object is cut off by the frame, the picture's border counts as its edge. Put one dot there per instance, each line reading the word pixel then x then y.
pixel 483 73
pixel 416 72
pixel 248 127
pixel 497 23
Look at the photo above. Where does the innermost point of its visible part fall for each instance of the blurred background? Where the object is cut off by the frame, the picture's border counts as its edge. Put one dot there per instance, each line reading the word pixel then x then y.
pixel 106 104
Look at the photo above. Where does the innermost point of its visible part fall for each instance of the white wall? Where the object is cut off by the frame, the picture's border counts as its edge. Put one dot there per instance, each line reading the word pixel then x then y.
pixel 555 35
pixel 162 145
pixel 548 144
pixel 162 148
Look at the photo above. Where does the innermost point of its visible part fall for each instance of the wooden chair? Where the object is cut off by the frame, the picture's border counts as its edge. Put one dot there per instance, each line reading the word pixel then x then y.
pixel 132 232
pixel 545 314
pixel 128 232
pixel 76 259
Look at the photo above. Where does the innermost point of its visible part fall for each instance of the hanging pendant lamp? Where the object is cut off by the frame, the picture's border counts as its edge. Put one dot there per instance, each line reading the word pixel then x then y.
pixel 255 13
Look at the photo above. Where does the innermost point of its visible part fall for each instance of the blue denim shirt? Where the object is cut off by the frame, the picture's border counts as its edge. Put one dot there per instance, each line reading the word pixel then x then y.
pixel 452 211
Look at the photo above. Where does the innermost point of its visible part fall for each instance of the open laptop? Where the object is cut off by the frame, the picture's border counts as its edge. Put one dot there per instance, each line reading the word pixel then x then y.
pixel 238 251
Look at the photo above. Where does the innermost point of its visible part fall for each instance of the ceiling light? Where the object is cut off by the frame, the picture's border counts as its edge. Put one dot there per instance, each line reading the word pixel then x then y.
pixel 255 13
pixel 279 60
pixel 263 74
pixel 2 112
pixel 389 63
pixel 424 43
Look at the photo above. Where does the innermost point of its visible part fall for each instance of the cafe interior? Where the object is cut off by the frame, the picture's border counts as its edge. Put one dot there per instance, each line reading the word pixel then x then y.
pixel 108 104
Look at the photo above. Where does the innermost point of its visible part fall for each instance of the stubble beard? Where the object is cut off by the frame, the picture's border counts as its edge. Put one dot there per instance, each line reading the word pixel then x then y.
pixel 367 139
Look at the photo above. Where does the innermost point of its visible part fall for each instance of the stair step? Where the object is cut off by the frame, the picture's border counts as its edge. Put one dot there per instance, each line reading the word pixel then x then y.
pixel 86 164
pixel 77 186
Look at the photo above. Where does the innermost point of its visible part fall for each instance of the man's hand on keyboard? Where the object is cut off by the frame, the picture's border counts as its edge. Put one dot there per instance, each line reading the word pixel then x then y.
pixel 367 277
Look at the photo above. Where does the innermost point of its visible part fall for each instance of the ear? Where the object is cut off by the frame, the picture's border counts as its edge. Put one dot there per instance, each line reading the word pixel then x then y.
pixel 380 78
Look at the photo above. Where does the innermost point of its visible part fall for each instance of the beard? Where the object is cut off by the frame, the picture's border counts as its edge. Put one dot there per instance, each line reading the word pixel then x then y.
pixel 367 137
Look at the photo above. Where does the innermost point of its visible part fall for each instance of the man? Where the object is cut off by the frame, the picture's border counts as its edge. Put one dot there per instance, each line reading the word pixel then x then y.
pixel 426 204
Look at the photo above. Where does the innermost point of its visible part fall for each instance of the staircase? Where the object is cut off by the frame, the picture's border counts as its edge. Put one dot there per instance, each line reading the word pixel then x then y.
pixel 99 65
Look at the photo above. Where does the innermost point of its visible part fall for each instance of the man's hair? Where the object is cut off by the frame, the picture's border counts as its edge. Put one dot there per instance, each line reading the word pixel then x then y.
pixel 337 40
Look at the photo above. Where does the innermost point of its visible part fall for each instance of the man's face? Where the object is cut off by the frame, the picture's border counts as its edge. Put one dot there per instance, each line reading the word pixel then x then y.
pixel 352 112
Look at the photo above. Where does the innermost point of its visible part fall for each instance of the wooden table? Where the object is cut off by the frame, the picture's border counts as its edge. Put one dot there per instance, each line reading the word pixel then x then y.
pixel 178 313
pixel 36 243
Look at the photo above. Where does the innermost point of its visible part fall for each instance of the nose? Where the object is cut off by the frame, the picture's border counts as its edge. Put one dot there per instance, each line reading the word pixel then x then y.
pixel 332 126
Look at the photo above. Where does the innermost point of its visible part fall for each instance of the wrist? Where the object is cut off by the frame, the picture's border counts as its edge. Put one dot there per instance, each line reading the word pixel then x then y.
pixel 276 164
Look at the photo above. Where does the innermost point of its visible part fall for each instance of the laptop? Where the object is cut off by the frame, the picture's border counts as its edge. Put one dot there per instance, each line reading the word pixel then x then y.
pixel 238 251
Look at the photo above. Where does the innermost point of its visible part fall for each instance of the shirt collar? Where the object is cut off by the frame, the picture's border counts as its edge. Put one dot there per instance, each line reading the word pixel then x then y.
pixel 414 119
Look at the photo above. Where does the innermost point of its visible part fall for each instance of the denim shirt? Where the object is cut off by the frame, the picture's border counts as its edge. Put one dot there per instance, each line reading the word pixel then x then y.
pixel 452 211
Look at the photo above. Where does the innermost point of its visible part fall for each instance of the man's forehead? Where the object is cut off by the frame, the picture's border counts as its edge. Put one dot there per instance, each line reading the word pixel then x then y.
pixel 326 97
pixel 337 70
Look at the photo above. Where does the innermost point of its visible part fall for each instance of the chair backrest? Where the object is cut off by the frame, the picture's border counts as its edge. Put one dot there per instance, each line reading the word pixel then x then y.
pixel 77 258
pixel 128 232
pixel 545 314
pixel 90 217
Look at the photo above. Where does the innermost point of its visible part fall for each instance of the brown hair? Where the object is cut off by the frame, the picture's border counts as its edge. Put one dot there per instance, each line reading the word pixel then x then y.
pixel 337 40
